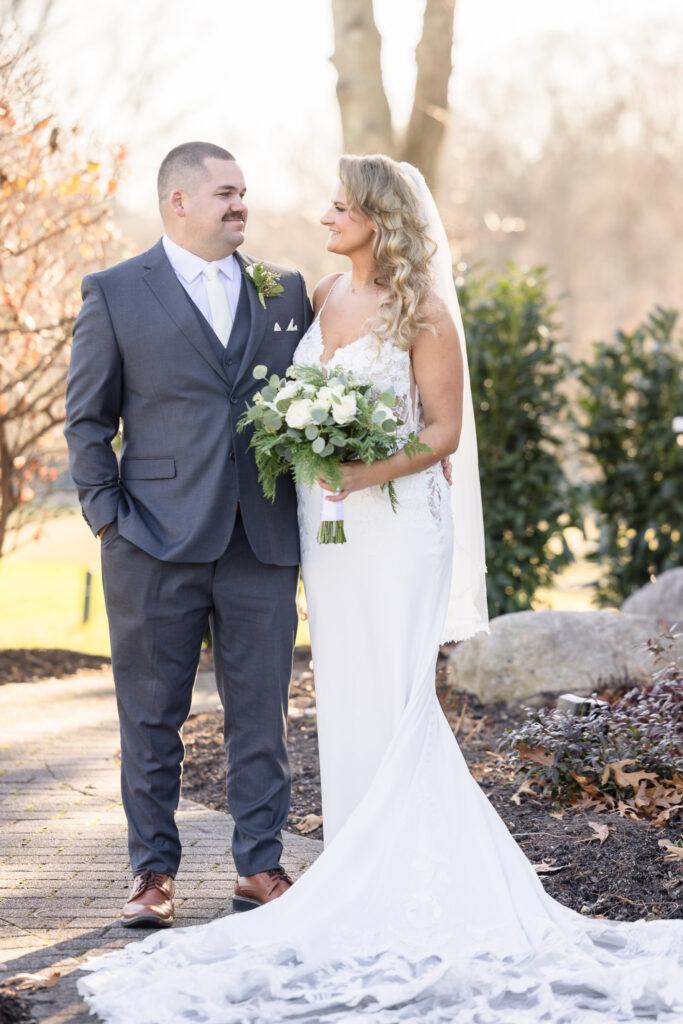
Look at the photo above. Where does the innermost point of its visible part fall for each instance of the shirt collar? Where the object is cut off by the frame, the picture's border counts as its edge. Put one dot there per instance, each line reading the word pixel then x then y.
pixel 190 266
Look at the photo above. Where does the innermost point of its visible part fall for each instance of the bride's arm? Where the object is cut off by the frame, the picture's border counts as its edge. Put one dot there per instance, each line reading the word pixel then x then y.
pixel 438 369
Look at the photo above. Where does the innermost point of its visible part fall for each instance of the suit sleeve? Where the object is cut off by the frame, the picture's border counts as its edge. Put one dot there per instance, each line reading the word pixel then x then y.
pixel 93 408
pixel 307 308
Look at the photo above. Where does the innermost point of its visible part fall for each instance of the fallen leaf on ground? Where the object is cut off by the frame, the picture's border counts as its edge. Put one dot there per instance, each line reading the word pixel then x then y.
pixel 547 869
pixel 22 982
pixel 623 778
pixel 587 803
pixel 626 811
pixel 600 831
pixel 309 824
pixel 672 852
pixel 526 787
pixel 535 754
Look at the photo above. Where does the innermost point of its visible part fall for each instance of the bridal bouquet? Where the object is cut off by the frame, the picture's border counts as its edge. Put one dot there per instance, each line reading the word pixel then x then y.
pixel 312 420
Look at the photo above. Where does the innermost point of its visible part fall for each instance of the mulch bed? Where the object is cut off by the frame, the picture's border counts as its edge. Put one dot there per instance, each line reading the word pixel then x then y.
pixel 32 666
pixel 14 1010
pixel 624 878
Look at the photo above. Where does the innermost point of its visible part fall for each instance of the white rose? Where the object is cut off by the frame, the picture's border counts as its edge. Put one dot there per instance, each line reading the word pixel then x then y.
pixel 324 399
pixel 298 415
pixel 344 410
pixel 288 391
pixel 336 388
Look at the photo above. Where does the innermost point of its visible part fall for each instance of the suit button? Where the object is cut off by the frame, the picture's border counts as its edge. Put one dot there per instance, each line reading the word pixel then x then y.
pixel 232 456
pixel 229 361
pixel 233 400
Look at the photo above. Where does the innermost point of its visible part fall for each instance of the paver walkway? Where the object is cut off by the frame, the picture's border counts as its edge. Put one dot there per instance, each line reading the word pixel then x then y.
pixel 63 858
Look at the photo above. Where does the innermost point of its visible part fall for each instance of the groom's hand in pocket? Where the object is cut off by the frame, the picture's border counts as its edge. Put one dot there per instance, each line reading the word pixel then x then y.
pixel 101 533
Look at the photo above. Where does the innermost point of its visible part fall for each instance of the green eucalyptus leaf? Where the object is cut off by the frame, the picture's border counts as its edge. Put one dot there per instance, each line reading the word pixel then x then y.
pixel 271 420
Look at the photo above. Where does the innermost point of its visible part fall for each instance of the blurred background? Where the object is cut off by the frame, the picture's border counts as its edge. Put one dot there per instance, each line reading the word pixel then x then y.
pixel 551 135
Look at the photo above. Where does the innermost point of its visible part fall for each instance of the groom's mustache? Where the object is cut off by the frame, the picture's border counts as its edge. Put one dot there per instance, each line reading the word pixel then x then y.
pixel 234 216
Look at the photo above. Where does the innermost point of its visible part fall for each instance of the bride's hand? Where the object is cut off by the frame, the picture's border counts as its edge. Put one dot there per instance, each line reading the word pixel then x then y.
pixel 354 476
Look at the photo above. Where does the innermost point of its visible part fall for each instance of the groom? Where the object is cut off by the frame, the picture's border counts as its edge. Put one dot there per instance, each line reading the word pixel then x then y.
pixel 164 347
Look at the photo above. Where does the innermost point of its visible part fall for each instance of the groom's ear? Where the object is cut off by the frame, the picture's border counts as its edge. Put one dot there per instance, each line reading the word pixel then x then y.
pixel 176 201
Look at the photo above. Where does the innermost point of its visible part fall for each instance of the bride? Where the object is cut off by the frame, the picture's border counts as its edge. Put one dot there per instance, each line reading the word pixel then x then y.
pixel 422 907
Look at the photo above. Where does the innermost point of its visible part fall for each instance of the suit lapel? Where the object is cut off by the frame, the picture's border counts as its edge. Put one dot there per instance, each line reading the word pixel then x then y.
pixel 259 316
pixel 161 278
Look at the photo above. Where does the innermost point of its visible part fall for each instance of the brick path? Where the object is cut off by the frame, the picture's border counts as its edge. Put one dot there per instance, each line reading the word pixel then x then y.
pixel 63 858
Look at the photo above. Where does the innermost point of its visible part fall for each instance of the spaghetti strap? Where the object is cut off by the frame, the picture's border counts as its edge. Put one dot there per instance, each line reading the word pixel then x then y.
pixel 331 289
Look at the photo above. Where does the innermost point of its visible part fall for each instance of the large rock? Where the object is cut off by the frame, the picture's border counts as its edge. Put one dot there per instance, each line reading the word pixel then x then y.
pixel 663 598
pixel 532 652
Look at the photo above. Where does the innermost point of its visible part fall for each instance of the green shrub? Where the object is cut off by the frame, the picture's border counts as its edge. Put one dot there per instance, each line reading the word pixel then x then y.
pixel 627 754
pixel 517 371
pixel 630 392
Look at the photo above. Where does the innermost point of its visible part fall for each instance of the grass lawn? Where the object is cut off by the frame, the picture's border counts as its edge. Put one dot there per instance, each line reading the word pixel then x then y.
pixel 41 605
pixel 42 590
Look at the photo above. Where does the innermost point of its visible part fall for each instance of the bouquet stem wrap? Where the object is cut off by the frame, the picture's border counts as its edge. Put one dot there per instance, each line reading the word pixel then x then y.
pixel 331 520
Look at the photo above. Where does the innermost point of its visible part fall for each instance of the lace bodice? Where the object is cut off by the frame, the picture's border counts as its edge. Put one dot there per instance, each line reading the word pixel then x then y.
pixel 385 365
pixel 422 495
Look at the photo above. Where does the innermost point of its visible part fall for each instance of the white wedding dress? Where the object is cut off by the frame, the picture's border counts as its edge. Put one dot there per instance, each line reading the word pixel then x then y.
pixel 422 908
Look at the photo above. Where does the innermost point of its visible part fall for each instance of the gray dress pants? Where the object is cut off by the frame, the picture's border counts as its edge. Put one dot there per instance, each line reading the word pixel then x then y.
pixel 158 613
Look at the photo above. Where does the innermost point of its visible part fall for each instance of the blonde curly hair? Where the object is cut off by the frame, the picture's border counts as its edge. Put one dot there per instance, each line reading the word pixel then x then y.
pixel 377 186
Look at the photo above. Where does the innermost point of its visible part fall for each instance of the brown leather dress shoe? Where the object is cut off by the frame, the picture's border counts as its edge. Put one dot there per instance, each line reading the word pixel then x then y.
pixel 150 904
pixel 255 890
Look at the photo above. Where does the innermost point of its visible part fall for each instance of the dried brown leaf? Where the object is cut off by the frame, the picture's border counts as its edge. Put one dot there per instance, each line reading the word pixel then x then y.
pixel 526 787
pixel 26 982
pixel 309 823
pixel 626 809
pixel 547 869
pixel 600 831
pixel 586 786
pixel 623 778
pixel 535 754
pixel 672 852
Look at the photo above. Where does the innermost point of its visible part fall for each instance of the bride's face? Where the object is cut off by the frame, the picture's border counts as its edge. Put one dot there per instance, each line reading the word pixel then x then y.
pixel 350 231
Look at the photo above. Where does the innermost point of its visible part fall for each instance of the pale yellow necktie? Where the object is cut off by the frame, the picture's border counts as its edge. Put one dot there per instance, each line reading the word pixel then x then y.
pixel 221 317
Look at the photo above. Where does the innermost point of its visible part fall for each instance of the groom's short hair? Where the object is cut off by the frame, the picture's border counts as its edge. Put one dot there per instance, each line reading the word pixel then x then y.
pixel 185 162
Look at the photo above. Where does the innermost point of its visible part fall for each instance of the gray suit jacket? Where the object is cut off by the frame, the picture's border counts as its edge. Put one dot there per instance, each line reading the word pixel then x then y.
pixel 142 354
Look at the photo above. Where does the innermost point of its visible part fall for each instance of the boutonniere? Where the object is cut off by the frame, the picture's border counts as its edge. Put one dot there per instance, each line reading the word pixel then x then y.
pixel 265 281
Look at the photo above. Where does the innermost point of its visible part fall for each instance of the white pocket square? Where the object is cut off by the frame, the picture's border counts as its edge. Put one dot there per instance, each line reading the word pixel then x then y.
pixel 291 326
pixel 277 326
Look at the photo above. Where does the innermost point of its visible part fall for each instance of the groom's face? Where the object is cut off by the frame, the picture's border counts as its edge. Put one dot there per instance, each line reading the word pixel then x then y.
pixel 215 210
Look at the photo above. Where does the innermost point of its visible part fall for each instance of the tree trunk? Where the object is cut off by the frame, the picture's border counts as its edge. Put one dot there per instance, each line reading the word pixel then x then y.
pixel 430 106
pixel 365 113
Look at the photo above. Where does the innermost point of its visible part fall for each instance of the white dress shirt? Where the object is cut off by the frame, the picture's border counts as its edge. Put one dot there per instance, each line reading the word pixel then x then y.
pixel 188 269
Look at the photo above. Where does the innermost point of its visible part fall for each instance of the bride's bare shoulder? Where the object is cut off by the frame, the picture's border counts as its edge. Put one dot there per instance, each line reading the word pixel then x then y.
pixel 441 325
pixel 322 290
